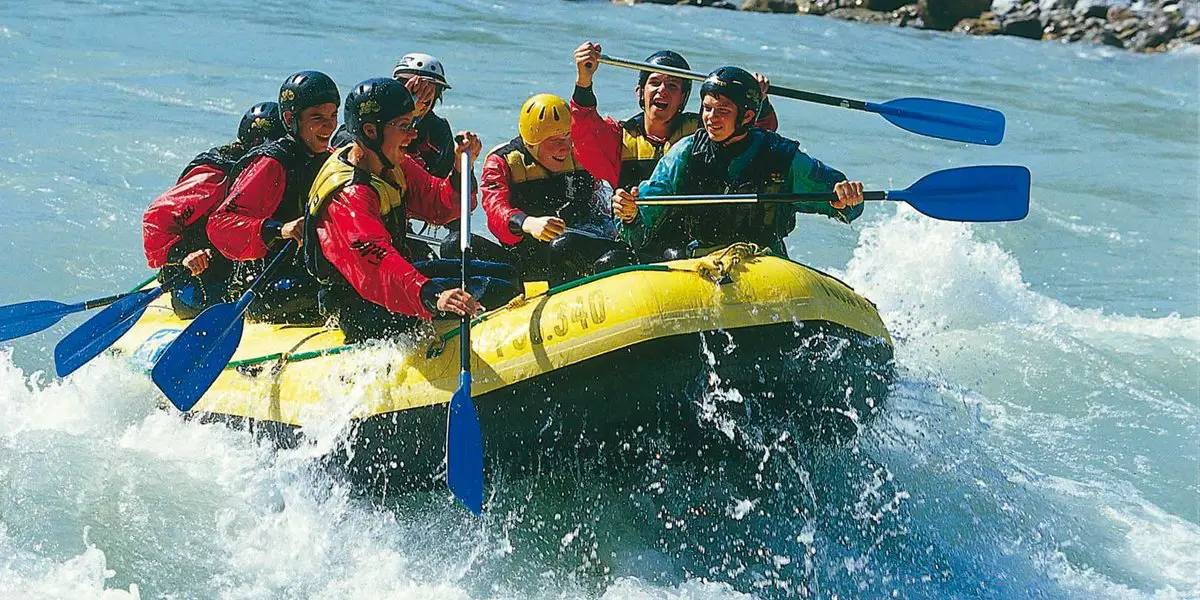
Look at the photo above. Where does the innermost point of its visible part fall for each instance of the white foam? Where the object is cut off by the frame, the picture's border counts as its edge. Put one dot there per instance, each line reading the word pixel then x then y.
pixel 929 275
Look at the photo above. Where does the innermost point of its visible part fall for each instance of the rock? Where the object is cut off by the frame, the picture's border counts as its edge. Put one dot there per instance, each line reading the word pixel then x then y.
pixel 775 6
pixel 885 5
pixel 1118 13
pixel 905 14
pixel 943 15
pixel 1027 27
pixel 1048 5
pixel 726 4
pixel 1110 39
pixel 860 15
pixel 988 25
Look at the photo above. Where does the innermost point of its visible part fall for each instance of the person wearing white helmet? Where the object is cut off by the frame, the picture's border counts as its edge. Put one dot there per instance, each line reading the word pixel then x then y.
pixel 425 78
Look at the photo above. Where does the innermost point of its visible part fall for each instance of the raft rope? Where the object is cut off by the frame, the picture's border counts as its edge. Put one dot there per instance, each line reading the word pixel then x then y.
pixel 714 268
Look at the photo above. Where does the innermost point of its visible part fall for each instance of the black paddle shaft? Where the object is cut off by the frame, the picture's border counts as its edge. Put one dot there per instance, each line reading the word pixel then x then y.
pixel 772 90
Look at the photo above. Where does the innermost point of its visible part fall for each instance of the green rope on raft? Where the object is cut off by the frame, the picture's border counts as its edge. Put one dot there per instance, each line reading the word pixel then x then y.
pixel 299 356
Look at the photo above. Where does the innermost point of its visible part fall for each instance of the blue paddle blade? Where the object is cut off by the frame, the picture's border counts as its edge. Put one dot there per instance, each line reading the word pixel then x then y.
pixel 20 320
pixel 974 194
pixel 196 358
pixel 101 331
pixel 944 120
pixel 464 448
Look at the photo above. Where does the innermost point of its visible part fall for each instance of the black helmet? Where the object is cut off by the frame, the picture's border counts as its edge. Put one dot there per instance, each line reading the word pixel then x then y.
pixel 305 90
pixel 377 100
pixel 668 58
pixel 736 84
pixel 262 123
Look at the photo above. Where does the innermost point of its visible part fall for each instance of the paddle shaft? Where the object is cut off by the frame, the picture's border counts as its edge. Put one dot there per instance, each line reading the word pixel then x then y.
pixel 697 199
pixel 774 90
pixel 464 244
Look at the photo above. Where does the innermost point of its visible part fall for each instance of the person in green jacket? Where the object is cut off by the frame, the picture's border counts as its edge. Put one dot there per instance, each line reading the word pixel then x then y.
pixel 729 156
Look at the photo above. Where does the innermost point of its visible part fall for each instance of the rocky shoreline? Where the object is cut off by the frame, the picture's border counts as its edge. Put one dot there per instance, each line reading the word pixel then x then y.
pixel 1143 26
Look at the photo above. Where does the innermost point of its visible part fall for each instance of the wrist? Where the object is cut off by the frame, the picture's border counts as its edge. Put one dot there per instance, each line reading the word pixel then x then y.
pixel 583 95
pixel 516 223
pixel 272 232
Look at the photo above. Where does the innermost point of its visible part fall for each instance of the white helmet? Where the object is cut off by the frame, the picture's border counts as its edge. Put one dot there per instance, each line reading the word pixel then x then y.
pixel 422 65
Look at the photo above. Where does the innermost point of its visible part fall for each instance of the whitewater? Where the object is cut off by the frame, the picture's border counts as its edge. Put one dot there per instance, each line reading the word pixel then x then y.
pixel 1040 440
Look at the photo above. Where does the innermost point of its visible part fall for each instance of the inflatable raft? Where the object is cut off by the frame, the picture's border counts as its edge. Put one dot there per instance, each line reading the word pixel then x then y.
pixel 599 362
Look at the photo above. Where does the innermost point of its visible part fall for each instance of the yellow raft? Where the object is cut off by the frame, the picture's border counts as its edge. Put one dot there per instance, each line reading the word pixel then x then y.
pixel 598 361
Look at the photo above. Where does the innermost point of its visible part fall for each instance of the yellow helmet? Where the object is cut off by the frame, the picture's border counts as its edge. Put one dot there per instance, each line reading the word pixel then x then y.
pixel 543 116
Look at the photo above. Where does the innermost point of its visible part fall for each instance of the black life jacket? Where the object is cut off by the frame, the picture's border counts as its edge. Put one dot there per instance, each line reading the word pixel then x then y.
pixel 639 155
pixel 707 172
pixel 301 169
pixel 221 158
pixel 538 192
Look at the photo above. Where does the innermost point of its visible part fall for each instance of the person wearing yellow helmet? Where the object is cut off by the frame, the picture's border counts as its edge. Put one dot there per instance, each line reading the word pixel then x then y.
pixel 552 218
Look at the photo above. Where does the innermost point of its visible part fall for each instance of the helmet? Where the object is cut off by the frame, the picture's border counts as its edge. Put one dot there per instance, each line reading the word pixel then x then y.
pixel 377 100
pixel 262 123
pixel 423 65
pixel 736 84
pixel 304 90
pixel 667 58
pixel 543 116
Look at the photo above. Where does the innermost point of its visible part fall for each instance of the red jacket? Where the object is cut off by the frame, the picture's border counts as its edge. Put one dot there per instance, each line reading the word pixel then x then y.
pixel 356 242
pixel 598 139
pixel 235 228
pixel 186 203
pixel 497 200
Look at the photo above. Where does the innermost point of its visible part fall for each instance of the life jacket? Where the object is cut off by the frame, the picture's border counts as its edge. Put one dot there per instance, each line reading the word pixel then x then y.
pixel 334 175
pixel 538 192
pixel 300 167
pixel 221 158
pixel 639 155
pixel 706 171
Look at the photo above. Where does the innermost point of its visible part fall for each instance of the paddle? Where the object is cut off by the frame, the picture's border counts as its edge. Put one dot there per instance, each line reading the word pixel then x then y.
pixel 26 318
pixel 973 194
pixel 106 327
pixel 196 358
pixel 464 439
pixel 924 116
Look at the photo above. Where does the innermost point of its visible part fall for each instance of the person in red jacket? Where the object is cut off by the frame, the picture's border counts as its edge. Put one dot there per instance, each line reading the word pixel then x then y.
pixel 358 211
pixel 173 226
pixel 266 202
pixel 553 219
pixel 624 153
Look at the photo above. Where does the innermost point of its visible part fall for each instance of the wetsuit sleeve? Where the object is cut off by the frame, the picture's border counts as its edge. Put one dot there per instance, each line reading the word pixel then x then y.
pixel 664 181
pixel 356 242
pixel 241 228
pixel 767 120
pixel 430 198
pixel 180 207
pixel 811 175
pixel 497 202
pixel 597 139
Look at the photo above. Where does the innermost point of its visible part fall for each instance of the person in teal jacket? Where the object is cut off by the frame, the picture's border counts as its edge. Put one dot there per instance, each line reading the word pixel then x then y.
pixel 730 156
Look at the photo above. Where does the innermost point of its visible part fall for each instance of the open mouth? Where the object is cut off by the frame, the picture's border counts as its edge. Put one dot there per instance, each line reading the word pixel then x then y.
pixel 659 103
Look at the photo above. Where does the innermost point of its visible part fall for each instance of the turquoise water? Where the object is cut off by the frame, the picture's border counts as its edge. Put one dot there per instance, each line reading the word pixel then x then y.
pixel 1040 441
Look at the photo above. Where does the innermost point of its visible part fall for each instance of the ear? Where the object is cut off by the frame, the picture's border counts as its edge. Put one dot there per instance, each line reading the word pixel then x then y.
pixel 370 131
pixel 287 118
pixel 749 118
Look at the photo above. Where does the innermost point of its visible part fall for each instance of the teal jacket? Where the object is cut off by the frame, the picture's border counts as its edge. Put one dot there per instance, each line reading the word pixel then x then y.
pixel 805 174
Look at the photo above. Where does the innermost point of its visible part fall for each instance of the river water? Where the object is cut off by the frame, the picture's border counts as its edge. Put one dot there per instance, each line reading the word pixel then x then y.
pixel 1041 439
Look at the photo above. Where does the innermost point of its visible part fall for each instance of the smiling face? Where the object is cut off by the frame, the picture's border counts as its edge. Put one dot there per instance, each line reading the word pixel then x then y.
pixel 553 152
pixel 397 135
pixel 719 115
pixel 661 97
pixel 316 126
